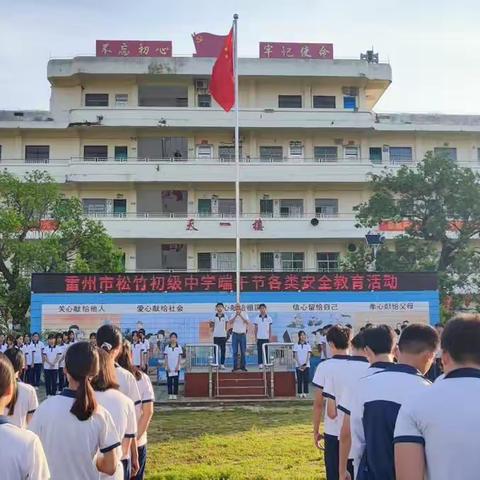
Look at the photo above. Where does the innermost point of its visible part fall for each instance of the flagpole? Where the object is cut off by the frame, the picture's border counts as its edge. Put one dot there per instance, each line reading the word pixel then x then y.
pixel 237 162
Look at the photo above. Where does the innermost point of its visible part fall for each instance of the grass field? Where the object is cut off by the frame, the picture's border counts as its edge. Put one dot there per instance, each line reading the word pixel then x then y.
pixel 257 443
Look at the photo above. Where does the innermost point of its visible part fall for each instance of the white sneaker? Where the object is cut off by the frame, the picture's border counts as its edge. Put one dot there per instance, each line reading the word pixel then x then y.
pixel 175 397
pixel 304 395
pixel 222 367
pixel 260 366
pixel 170 397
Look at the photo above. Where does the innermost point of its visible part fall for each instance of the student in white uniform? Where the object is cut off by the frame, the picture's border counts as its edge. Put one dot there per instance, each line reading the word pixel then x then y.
pixel 51 358
pixel 120 407
pixel 78 435
pixel 61 362
pixel 338 337
pixel 173 356
pixel 302 352
pixel 219 327
pixel 379 344
pixel 238 322
pixel 380 396
pixel 3 345
pixel 36 360
pixel 20 342
pixel 146 348
pixel 25 400
pixel 138 350
pixel 26 351
pixel 437 433
pixel 263 331
pixel 21 452
pixel 148 398
pixel 109 337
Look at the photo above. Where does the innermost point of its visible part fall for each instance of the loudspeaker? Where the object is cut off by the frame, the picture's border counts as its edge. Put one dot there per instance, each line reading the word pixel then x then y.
pixel 352 247
pixel 314 221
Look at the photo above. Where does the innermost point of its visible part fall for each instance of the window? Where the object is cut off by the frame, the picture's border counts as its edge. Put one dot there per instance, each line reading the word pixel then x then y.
pixel 292 261
pixel 96 99
pixel 162 96
pixel 326 207
pixel 227 153
pixel 121 153
pixel 400 155
pixel 119 207
pixel 204 207
pixel 375 154
pixel 266 261
pixel 226 206
pixel 349 102
pixel 121 99
pixel 204 261
pixel 271 154
pixel 327 261
pixel 324 101
pixel 204 152
pixel 295 150
pixel 266 208
pixel 291 208
pixel 226 261
pixel 289 101
pixel 204 100
pixel 351 153
pixel 445 152
pixel 94 206
pixel 37 153
pixel 95 152
pixel 325 154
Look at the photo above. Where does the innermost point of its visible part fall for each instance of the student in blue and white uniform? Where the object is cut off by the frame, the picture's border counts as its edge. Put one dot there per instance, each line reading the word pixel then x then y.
pixel 148 398
pixel 338 337
pixel 146 348
pixel 21 452
pixel 437 433
pixel 302 352
pixel 173 356
pixel 138 351
pixel 263 331
pixel 380 396
pixel 25 402
pixel 378 345
pixel 24 349
pixel 219 326
pixel 61 362
pixel 78 434
pixel 36 359
pixel 51 358
pixel 120 407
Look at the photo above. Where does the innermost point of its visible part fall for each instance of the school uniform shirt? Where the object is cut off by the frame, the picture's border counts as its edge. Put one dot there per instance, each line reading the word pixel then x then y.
pixel 138 351
pixel 172 355
pixel 62 349
pixel 302 350
pixel 122 410
pixel 35 352
pixel 377 401
pixel 52 355
pixel 26 404
pixel 21 454
pixel 239 325
pixel 147 395
pixel 3 347
pixel 25 348
pixel 128 386
pixel 445 419
pixel 263 324
pixel 146 346
pixel 220 326
pixel 324 370
pixel 70 444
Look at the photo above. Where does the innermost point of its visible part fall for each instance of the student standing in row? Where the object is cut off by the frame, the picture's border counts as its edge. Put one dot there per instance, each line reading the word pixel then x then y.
pixel 51 356
pixel 62 348
pixel 219 326
pixel 36 360
pixel 173 356
pixel 302 352
pixel 21 452
pixel 338 338
pixel 263 332
pixel 120 407
pixel 3 345
pixel 380 396
pixel 78 435
pixel 239 324
pixel 25 401
pixel 24 349
pixel 138 350
pixel 148 398
pixel 142 337
pixel 438 431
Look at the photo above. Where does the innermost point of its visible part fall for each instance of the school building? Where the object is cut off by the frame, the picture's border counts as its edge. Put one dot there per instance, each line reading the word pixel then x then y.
pixel 144 146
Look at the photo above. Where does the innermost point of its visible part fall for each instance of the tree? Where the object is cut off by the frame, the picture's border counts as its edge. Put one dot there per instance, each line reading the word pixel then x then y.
pixel 439 205
pixel 41 231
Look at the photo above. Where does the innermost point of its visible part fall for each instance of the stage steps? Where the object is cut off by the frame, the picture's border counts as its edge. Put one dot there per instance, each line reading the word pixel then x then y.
pixel 238 385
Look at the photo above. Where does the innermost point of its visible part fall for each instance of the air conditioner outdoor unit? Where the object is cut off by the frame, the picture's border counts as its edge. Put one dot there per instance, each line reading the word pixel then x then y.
pixel 201 84
pixel 351 91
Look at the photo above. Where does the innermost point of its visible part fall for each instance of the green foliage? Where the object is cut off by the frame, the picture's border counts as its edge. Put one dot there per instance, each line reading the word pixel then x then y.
pixel 74 243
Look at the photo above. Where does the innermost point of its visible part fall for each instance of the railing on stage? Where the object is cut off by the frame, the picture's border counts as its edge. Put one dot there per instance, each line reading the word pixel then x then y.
pixel 276 356
pixel 200 356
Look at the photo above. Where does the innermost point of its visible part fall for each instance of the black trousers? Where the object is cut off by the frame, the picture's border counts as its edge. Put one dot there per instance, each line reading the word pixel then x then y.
pixel 61 379
pixel 260 344
pixel 350 468
pixel 51 381
pixel 331 456
pixel 172 385
pixel 35 374
pixel 222 345
pixel 303 379
pixel 142 461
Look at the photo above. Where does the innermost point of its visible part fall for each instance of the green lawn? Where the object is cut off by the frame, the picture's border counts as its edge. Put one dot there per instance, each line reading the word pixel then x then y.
pixel 258 443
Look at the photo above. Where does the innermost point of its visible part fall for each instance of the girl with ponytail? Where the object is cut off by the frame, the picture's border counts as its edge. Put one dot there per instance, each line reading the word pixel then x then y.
pixel 73 427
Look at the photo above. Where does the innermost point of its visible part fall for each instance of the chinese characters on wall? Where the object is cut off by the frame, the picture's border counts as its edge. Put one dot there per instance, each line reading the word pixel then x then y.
pixel 133 48
pixel 319 51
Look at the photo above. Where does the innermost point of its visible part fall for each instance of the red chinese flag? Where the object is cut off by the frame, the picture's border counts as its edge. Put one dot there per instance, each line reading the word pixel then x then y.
pixel 222 84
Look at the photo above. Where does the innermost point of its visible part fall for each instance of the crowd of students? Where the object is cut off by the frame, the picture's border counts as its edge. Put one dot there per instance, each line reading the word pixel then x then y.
pixel 383 419
pixel 94 428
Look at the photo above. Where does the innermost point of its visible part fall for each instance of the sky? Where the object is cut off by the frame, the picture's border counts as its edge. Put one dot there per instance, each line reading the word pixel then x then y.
pixel 433 46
